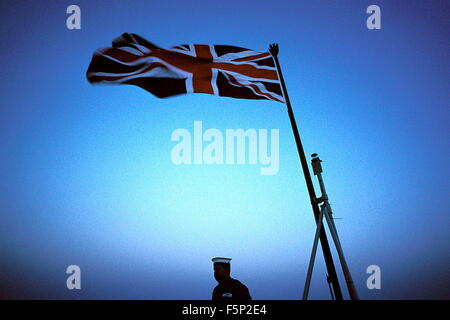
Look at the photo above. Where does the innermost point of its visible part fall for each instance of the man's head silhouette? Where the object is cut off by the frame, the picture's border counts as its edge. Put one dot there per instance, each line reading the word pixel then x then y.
pixel 221 269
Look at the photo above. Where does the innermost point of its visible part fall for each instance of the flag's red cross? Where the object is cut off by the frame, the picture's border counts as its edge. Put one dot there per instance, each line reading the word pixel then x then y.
pixel 201 66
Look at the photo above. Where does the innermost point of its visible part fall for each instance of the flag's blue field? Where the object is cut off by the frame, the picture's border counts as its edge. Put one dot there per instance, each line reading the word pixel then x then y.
pixel 87 179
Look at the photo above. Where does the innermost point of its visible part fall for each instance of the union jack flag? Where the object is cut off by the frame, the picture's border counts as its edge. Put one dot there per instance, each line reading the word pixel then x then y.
pixel 196 68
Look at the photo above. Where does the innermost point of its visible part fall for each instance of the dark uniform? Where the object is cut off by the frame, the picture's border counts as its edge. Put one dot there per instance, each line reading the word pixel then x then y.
pixel 231 289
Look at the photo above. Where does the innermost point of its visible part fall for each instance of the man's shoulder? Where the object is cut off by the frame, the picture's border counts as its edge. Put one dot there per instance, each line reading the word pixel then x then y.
pixel 241 291
pixel 237 283
pixel 233 283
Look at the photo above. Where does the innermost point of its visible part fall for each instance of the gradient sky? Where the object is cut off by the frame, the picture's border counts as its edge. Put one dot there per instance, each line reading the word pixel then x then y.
pixel 86 176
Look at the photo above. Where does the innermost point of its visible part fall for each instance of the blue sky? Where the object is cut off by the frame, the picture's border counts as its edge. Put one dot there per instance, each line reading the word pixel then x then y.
pixel 86 176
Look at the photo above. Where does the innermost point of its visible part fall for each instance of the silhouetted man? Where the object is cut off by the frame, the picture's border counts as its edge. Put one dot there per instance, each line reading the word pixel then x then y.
pixel 228 288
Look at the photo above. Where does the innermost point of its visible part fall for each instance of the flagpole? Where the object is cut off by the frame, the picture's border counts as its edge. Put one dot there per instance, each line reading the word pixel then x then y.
pixel 273 49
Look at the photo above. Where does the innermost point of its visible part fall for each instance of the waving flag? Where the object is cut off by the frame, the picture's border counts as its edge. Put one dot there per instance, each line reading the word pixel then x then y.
pixel 197 68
